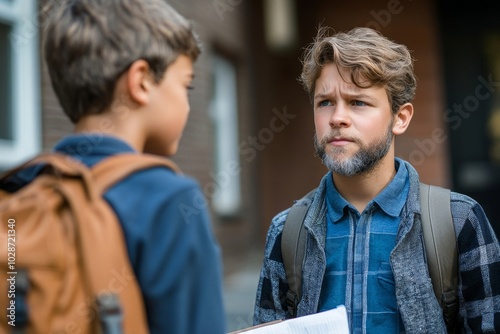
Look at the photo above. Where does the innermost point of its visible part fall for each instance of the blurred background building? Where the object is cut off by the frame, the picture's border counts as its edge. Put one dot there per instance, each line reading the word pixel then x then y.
pixel 249 138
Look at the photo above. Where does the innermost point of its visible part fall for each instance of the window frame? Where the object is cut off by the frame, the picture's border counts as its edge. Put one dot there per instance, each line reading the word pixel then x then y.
pixel 25 82
pixel 227 199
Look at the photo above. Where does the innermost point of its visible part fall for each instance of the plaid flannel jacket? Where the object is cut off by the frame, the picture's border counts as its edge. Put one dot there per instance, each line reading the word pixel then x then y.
pixel 479 267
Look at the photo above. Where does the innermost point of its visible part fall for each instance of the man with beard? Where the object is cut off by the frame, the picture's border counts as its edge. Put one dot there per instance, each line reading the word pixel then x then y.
pixel 364 238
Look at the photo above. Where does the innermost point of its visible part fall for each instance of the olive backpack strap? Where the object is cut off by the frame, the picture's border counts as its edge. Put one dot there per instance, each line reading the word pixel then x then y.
pixel 293 246
pixel 441 248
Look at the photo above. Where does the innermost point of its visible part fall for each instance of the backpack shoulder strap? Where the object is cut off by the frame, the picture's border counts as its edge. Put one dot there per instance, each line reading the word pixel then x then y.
pixel 293 246
pixel 58 163
pixel 440 246
pixel 107 172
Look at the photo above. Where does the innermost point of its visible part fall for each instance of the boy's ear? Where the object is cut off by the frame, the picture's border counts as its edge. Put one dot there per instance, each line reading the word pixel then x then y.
pixel 139 81
pixel 402 119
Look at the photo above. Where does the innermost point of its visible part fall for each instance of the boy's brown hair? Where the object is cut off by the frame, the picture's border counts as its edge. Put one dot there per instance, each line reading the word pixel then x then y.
pixel 89 44
pixel 369 58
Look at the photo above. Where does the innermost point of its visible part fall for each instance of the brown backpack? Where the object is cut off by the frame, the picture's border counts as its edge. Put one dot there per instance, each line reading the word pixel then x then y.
pixel 64 266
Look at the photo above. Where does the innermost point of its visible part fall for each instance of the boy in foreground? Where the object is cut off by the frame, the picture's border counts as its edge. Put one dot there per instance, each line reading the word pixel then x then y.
pixel 121 70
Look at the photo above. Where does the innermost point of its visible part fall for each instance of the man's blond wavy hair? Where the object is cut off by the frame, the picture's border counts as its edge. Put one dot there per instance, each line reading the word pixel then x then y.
pixel 370 58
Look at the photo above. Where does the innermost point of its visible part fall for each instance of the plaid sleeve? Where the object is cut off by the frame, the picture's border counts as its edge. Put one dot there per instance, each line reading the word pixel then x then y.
pixel 479 269
pixel 270 301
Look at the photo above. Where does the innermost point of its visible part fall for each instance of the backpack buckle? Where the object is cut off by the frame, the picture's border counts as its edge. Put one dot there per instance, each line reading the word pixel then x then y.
pixel 449 299
pixel 292 301
pixel 450 307
pixel 22 286
pixel 110 313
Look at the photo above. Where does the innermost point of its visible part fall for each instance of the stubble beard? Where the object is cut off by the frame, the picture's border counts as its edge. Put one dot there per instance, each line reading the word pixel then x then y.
pixel 364 161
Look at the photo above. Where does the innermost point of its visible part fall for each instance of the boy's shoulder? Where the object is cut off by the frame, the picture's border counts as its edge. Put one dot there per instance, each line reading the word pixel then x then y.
pixel 93 149
pixel 159 179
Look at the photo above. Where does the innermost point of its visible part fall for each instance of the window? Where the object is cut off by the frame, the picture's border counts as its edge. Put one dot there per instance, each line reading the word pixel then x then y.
pixel 224 111
pixel 5 87
pixel 19 84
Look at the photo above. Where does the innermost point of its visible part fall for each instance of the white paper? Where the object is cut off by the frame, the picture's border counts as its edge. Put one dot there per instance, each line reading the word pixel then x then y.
pixel 328 322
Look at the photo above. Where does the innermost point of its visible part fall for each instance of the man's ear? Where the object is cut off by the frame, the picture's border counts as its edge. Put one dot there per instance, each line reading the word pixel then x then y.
pixel 139 81
pixel 402 119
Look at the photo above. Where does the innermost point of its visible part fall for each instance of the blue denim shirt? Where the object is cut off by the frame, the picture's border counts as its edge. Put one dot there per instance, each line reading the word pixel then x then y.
pixel 357 249
pixel 478 266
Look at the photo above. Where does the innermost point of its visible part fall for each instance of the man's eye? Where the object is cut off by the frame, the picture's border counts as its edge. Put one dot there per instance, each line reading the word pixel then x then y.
pixel 324 103
pixel 358 103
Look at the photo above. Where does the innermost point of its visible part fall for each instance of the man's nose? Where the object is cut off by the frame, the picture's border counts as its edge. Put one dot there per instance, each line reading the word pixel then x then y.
pixel 340 116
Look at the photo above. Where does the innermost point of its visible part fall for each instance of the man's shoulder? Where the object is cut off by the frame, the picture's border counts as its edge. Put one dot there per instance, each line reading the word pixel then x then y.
pixel 463 205
pixel 462 199
pixel 278 220
pixel 311 198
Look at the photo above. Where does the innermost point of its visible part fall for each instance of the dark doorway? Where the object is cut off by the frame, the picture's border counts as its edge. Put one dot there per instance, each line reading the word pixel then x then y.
pixel 471 68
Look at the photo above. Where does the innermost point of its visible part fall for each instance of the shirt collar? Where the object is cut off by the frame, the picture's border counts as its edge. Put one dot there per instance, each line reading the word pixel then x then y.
pixel 92 144
pixel 335 202
pixel 391 199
